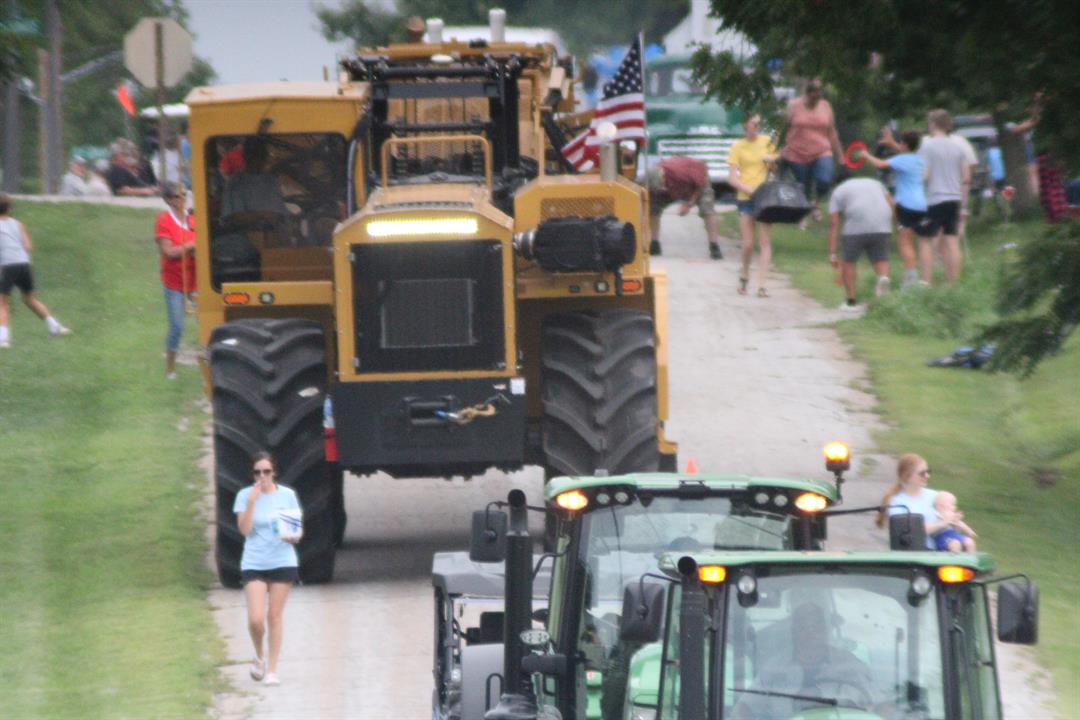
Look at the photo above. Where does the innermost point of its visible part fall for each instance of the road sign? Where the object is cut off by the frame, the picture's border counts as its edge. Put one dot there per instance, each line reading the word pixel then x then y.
pixel 140 52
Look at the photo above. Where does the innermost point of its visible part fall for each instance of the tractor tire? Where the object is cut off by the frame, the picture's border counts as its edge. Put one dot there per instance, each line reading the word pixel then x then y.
pixel 598 387
pixel 269 379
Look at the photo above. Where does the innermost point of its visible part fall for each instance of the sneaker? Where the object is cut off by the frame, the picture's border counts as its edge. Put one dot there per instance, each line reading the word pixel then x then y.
pixel 714 252
pixel 655 249
pixel 257 669
pixel 5 343
pixel 170 376
pixel 911 279
pixel 271 679
pixel 882 286
pixel 61 330
pixel 850 308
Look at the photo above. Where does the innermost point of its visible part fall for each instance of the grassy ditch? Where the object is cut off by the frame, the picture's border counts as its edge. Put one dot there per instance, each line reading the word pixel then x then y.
pixel 104 592
pixel 1009 449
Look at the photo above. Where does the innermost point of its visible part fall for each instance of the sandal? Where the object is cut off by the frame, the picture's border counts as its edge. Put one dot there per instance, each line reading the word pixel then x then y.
pixel 762 292
pixel 257 669
pixel 742 285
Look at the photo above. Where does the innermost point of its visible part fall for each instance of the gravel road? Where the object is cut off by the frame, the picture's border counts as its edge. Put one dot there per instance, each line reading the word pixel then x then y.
pixel 757 386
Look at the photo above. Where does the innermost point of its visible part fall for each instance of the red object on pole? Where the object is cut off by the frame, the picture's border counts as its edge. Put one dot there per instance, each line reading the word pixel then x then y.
pixel 1007 192
pixel 124 98
pixel 851 160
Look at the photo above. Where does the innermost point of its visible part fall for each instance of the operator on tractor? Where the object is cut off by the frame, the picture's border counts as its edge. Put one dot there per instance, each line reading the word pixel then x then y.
pixel 685 179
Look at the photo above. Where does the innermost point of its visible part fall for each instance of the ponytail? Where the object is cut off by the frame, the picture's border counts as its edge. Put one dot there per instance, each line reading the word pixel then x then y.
pixel 904 468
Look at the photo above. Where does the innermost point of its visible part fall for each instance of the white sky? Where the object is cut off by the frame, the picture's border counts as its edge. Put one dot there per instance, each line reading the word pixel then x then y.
pixel 262 40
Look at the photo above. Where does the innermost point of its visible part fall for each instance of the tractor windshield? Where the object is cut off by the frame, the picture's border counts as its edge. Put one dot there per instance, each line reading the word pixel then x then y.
pixel 831 639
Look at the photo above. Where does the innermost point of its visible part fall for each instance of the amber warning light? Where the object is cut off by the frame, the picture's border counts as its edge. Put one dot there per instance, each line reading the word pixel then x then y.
pixel 573 500
pixel 837 457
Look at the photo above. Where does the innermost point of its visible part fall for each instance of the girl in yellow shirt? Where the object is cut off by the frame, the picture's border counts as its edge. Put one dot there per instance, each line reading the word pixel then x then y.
pixel 748 167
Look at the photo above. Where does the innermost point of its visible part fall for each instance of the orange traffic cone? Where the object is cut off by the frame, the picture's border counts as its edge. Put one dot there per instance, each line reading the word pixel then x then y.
pixel 691 467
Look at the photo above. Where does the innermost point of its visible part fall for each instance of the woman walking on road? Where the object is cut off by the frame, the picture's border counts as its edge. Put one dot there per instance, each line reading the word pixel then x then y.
pixel 910 494
pixel 268 565
pixel 15 272
pixel 748 161
pixel 812 142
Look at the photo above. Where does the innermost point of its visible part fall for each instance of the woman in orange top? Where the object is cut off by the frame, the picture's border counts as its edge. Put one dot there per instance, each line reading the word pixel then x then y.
pixel 176 243
pixel 811 142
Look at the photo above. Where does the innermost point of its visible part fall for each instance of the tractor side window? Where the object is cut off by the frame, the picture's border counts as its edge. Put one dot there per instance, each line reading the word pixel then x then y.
pixel 975 656
pixel 273 201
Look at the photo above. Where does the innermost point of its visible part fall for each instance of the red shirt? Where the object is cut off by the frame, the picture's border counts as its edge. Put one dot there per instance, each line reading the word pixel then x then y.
pixel 684 177
pixel 809 134
pixel 169 227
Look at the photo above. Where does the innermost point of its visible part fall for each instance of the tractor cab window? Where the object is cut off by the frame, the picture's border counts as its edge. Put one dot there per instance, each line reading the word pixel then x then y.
pixel 273 201
pixel 665 81
pixel 832 638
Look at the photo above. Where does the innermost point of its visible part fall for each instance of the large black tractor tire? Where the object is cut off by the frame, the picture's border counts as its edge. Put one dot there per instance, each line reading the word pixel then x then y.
pixel 269 381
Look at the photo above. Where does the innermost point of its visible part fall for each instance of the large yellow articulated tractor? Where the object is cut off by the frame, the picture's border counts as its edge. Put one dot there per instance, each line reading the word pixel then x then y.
pixel 398 273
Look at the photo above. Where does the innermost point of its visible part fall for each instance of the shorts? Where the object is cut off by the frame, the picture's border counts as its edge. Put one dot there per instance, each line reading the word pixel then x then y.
pixel 915 220
pixel 745 207
pixel 17 275
pixel 659 198
pixel 275 575
pixel 941 540
pixel 876 246
pixel 814 175
pixel 944 216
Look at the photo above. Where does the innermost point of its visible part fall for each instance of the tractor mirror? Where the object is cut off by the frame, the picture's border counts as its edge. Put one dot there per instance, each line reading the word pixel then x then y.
pixel 907 532
pixel 642 613
pixel 1018 613
pixel 488 536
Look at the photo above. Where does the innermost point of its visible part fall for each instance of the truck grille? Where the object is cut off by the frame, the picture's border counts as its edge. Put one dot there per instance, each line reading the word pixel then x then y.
pixel 428 306
pixel 713 151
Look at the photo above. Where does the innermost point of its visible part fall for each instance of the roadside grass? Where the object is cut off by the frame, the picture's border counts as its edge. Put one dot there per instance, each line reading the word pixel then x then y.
pixel 1009 448
pixel 104 602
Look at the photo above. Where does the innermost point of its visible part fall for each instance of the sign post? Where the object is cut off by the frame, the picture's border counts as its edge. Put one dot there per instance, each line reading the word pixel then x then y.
pixel 157 51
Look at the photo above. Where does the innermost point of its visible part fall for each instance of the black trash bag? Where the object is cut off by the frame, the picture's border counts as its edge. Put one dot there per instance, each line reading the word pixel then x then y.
pixel 778 201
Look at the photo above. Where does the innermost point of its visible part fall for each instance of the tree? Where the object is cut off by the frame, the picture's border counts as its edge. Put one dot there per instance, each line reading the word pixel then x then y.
pixel 584 26
pixel 898 58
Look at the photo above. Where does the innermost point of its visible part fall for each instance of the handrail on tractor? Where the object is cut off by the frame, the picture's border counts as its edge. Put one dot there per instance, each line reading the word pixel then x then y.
pixel 484 144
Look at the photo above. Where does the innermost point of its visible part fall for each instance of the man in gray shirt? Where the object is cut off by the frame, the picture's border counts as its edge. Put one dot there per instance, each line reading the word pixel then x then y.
pixel 948 177
pixel 866 209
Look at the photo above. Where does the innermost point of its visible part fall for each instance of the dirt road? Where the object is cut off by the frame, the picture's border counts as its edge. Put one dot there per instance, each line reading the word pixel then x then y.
pixel 757 385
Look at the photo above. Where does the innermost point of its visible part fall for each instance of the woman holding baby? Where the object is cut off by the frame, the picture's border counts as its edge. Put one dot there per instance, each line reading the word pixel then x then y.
pixel 268 517
pixel 945 526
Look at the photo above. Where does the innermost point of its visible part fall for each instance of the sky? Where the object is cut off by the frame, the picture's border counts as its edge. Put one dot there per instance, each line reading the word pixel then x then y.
pixel 262 40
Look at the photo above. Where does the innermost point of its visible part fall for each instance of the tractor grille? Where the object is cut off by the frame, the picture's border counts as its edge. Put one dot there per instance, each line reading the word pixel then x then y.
pixel 551 208
pixel 713 151
pixel 428 306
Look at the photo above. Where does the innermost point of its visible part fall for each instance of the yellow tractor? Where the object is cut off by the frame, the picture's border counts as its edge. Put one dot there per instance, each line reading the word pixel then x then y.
pixel 398 272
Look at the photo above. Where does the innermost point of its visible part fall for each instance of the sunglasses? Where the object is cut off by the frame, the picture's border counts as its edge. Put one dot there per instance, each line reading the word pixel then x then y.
pixel 262 471
pixel 924 473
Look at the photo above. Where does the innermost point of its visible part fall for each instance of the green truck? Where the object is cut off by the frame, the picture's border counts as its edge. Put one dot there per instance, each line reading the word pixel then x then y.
pixel 680 122
pixel 608 530
pixel 815 635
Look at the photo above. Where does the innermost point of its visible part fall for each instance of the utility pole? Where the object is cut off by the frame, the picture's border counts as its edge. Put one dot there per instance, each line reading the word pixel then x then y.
pixel 52 144
pixel 12 146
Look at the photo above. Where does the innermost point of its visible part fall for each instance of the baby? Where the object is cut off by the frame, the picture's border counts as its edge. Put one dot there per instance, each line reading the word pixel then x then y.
pixel 957 536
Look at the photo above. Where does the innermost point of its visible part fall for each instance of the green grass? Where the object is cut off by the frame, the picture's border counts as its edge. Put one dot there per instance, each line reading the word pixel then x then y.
pixel 104 604
pixel 1009 449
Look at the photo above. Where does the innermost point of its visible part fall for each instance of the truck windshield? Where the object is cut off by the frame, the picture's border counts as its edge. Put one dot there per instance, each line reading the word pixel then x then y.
pixel 666 81
pixel 620 543
pixel 832 639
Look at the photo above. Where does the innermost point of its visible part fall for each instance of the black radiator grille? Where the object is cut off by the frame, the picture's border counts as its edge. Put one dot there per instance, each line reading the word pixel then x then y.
pixel 428 306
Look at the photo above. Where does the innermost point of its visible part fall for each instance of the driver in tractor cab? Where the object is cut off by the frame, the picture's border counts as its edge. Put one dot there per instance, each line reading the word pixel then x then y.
pixel 809 668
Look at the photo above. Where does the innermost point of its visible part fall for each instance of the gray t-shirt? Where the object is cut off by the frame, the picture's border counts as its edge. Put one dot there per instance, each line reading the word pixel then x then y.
pixel 12 250
pixel 945 163
pixel 864 206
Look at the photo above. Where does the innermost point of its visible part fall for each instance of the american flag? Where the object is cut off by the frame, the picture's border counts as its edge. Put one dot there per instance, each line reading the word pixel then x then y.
pixel 622 103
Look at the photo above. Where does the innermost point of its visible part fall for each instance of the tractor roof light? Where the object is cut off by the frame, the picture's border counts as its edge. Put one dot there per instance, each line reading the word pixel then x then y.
pixel 417 227
pixel 955 574
pixel 810 502
pixel 572 500
pixel 711 574
pixel 837 457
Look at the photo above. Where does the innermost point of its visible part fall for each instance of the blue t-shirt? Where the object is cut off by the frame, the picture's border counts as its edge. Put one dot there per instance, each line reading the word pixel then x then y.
pixel 923 505
pixel 909 169
pixel 263 548
pixel 995 163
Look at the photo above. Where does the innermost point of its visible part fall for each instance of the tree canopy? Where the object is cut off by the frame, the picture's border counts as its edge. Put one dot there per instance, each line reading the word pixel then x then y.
pixel 583 26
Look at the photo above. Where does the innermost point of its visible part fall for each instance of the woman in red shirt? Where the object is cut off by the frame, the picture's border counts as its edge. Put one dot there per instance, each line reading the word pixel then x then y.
pixel 176 242
pixel 811 141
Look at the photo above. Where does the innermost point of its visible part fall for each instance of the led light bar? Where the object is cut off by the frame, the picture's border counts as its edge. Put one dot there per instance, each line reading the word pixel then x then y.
pixel 421 227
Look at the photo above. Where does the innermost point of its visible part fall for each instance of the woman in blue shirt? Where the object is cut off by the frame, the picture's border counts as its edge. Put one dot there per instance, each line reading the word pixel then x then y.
pixel 909 171
pixel 910 494
pixel 268 565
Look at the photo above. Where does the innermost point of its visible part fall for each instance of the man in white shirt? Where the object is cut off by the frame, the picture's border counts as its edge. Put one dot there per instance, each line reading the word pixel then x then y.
pixel 74 180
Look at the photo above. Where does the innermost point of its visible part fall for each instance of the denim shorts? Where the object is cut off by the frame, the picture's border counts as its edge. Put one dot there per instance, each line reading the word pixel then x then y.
pixel 816 174
pixel 745 207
